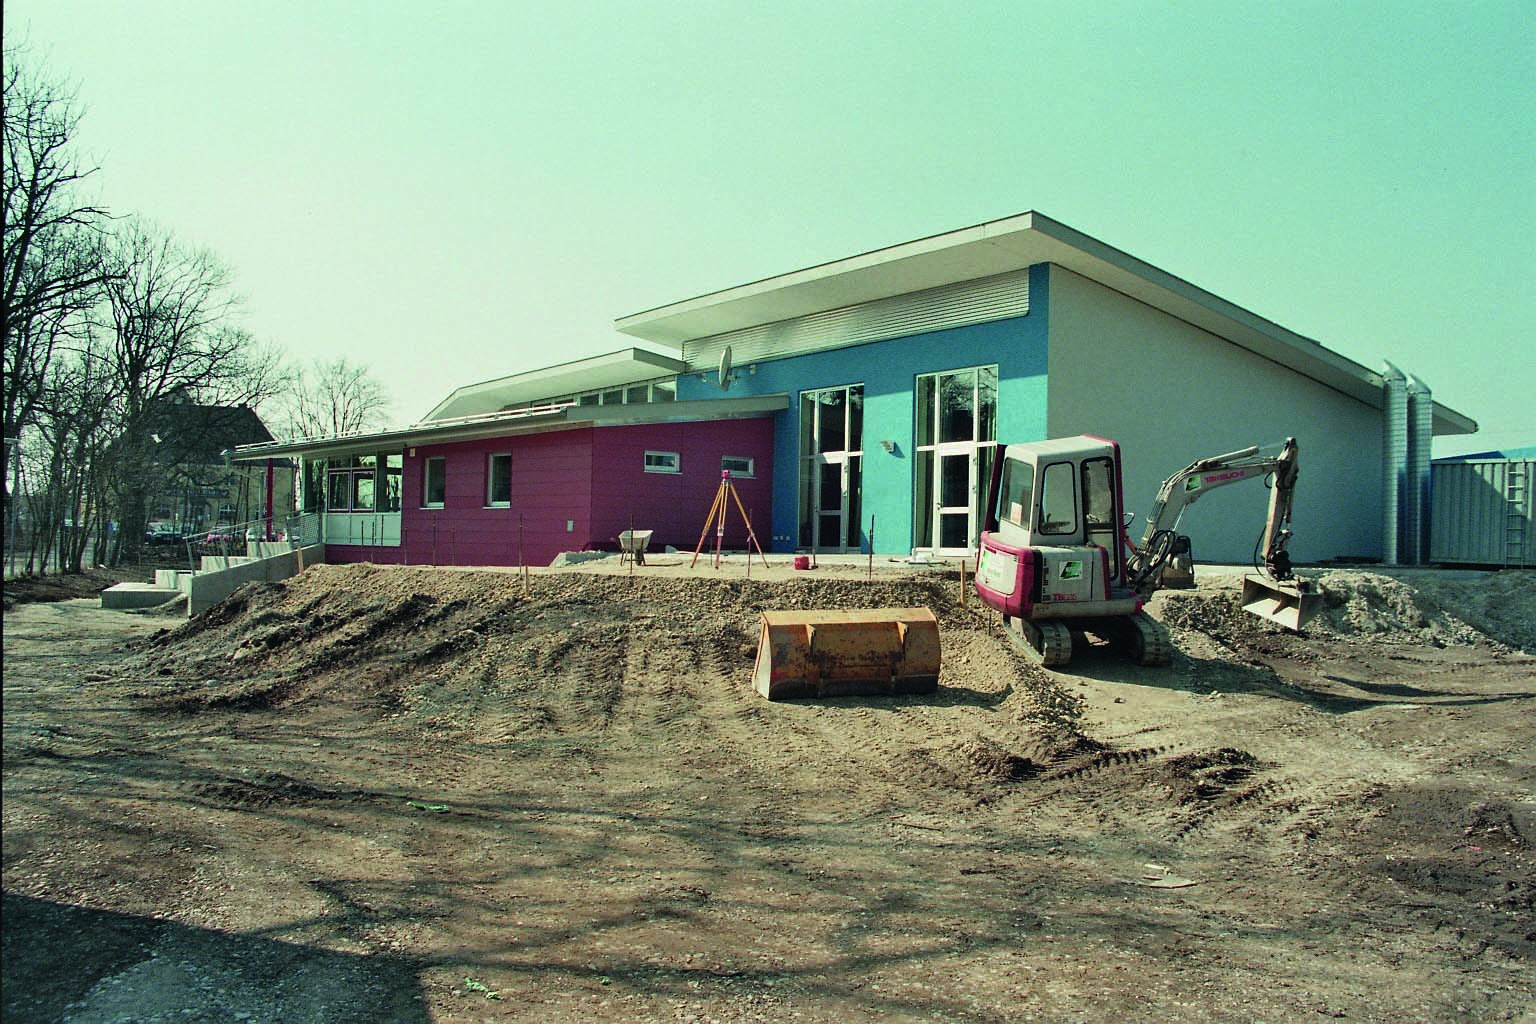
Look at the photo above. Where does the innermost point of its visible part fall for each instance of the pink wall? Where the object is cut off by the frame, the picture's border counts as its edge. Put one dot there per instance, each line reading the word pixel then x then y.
pixel 594 479
pixel 551 486
pixel 677 505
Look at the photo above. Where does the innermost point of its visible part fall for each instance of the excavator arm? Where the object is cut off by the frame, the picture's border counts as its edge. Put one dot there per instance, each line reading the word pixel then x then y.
pixel 1189 484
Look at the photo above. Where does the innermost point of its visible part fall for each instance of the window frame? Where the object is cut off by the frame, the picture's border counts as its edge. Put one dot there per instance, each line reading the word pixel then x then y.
pixel 1048 527
pixel 491 501
pixel 676 466
pixel 426 481
pixel 750 473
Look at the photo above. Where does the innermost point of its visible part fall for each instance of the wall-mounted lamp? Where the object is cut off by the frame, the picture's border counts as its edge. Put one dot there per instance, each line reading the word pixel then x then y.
pixel 752 368
pixel 889 446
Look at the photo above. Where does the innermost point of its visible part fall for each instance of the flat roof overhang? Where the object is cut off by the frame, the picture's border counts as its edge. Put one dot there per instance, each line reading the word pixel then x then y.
pixel 997 247
pixel 511 424
pixel 609 370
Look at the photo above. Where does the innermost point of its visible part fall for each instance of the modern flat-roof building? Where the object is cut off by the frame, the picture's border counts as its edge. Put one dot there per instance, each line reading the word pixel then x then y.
pixel 865 396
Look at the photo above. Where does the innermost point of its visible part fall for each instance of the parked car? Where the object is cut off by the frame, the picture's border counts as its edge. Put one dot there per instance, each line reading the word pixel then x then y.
pixel 161 533
pixel 222 535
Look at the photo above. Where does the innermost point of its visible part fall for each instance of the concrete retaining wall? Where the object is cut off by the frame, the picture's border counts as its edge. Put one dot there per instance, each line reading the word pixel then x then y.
pixel 221 575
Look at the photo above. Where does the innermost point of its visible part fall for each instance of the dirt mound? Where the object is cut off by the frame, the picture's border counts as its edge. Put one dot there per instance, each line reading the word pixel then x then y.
pixel 1499 604
pixel 450 646
pixel 1365 606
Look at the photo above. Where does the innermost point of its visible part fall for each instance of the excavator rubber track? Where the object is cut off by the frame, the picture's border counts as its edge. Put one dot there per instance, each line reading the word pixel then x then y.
pixel 1149 640
pixel 1045 643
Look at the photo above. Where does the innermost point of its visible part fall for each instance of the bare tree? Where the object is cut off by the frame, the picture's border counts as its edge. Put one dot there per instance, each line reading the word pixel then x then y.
pixel 334 397
pixel 52 266
pixel 167 311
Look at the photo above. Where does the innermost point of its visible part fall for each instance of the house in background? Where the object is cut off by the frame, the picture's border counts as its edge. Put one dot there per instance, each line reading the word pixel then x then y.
pixel 864 398
pixel 196 489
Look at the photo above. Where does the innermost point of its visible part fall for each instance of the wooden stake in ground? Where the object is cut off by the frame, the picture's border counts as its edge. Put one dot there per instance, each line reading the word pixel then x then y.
pixel 522 568
pixel 871 547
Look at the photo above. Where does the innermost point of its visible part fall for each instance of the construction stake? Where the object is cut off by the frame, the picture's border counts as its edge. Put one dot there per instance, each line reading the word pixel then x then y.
pixel 871 547
pixel 522 567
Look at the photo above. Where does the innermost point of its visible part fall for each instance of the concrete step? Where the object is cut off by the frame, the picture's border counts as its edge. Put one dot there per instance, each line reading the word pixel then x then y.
pixel 136 595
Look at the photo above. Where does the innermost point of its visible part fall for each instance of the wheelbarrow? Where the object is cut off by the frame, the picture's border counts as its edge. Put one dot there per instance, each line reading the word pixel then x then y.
pixel 632 545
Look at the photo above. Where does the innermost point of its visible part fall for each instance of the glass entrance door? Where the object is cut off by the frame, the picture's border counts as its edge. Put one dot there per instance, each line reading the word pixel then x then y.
pixel 955 487
pixel 956 425
pixel 831 436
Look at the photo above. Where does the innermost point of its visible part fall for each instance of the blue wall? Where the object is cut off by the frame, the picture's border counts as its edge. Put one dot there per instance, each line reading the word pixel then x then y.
pixel 888 371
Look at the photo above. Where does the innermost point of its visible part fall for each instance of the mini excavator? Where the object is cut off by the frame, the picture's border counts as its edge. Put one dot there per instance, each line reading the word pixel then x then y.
pixel 1056 558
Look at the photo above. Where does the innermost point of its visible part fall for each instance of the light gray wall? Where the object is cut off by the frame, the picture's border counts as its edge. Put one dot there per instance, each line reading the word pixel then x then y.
pixel 1171 393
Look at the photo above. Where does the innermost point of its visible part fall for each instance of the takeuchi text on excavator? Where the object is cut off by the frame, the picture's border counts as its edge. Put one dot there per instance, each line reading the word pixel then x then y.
pixel 1056 558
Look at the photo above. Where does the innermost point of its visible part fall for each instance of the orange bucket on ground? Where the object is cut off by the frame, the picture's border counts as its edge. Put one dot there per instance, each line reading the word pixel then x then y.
pixel 847 652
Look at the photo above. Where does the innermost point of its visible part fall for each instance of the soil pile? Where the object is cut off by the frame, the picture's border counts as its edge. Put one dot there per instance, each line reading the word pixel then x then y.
pixel 1497 610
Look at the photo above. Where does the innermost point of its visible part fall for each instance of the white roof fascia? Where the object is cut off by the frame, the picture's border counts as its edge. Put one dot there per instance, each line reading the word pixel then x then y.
pixel 609 370
pixel 509 424
pixel 997 247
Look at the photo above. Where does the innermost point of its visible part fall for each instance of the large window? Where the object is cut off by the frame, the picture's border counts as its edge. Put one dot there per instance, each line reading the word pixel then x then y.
pixel 353 483
pixel 353 488
pixel 498 477
pixel 831 463
pixel 434 481
pixel 956 413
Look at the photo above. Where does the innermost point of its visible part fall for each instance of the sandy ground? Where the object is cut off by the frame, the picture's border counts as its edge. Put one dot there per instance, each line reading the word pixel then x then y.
pixel 384 794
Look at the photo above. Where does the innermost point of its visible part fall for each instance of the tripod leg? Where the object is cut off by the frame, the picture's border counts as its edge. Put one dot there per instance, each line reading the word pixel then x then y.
pixel 752 537
pixel 719 503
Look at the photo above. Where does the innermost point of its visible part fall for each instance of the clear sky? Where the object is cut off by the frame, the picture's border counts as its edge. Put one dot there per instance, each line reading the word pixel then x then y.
pixel 452 192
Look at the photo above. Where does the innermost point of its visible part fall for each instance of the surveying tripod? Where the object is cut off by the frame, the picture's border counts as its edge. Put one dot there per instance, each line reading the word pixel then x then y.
pixel 717 517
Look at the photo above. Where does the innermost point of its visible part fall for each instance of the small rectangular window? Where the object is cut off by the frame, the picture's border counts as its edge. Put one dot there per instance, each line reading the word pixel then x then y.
pixel 498 490
pixel 739 466
pixel 666 391
pixel 587 399
pixel 635 394
pixel 662 462
pixel 435 481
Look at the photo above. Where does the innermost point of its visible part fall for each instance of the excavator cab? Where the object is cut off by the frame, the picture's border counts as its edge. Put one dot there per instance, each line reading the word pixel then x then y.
pixel 1054 532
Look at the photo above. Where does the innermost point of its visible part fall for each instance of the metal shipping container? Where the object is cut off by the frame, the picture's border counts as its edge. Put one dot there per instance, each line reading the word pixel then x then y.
pixel 1481 512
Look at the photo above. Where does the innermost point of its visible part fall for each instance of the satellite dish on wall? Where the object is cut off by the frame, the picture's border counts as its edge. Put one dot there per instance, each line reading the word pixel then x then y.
pixel 725 369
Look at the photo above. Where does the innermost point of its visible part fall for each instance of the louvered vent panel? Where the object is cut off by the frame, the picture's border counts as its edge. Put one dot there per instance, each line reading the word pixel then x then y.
pixel 953 305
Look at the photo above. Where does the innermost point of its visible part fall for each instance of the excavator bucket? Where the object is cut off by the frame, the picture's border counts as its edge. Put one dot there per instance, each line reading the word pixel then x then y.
pixel 841 653
pixel 1288 604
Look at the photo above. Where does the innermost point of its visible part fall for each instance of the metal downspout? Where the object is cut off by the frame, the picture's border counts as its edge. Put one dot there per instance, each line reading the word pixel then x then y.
pixel 1394 464
pixel 1421 430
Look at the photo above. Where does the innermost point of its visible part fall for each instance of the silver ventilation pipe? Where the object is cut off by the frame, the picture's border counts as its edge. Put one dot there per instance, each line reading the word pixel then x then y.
pixel 1421 432
pixel 1394 464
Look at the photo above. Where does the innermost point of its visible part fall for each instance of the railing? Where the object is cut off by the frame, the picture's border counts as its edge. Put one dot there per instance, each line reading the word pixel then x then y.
pixel 303 528
pixel 231 540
